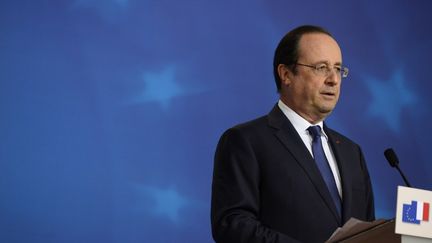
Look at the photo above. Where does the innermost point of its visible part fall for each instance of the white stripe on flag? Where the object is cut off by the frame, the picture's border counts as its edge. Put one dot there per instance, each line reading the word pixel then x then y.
pixel 419 215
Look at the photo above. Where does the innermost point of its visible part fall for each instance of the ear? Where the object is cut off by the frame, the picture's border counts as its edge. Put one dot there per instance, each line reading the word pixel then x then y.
pixel 285 74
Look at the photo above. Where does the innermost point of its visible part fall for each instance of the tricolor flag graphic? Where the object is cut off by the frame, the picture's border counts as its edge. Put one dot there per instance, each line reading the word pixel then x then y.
pixel 415 212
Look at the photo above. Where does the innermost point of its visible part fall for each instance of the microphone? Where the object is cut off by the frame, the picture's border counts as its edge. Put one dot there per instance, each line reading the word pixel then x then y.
pixel 394 162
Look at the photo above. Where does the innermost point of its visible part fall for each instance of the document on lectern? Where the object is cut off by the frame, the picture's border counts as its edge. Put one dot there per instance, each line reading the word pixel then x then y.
pixel 352 227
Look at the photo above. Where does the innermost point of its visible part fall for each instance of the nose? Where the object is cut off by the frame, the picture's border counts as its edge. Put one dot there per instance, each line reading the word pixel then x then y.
pixel 333 77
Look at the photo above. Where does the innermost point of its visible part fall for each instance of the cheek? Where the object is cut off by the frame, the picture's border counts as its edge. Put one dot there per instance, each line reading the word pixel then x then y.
pixel 299 90
pixel 338 91
pixel 315 89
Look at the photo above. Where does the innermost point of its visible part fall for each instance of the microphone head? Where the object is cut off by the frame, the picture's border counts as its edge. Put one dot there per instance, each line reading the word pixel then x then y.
pixel 391 157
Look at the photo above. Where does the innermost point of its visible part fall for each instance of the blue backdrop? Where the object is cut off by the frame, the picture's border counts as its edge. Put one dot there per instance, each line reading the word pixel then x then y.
pixel 110 110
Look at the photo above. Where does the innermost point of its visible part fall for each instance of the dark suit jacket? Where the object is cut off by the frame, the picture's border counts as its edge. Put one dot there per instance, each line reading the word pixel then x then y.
pixel 267 187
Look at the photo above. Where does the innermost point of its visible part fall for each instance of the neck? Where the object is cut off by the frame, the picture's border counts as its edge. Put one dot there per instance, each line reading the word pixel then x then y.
pixel 311 117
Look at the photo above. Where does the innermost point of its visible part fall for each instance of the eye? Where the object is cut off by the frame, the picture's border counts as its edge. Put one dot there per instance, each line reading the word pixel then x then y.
pixel 321 67
pixel 337 68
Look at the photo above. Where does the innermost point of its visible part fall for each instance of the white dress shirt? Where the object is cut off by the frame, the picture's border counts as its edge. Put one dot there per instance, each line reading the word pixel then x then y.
pixel 301 125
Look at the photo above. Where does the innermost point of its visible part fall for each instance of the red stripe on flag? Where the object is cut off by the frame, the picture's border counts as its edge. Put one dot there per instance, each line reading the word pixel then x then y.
pixel 425 211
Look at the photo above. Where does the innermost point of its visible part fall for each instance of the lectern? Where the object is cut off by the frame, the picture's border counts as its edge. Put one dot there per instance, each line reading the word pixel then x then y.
pixel 413 218
pixel 413 222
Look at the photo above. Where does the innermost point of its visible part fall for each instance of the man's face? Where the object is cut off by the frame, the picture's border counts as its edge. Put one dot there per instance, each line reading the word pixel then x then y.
pixel 311 95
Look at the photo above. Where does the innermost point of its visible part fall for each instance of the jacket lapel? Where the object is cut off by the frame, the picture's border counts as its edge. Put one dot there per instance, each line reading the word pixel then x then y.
pixel 341 156
pixel 289 137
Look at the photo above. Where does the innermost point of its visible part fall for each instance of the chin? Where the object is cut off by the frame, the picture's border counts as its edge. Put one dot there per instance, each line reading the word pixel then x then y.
pixel 326 110
pixel 329 106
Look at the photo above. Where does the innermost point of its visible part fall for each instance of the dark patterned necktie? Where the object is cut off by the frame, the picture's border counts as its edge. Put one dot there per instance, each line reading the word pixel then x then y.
pixel 323 165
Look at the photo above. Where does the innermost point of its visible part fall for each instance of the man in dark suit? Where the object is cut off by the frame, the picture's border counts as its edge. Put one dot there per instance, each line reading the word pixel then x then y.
pixel 286 176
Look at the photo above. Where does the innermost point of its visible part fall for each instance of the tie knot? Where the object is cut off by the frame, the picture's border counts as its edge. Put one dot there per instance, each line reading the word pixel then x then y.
pixel 315 131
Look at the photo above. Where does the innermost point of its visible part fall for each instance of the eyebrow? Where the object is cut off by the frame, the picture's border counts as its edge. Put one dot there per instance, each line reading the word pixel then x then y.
pixel 327 63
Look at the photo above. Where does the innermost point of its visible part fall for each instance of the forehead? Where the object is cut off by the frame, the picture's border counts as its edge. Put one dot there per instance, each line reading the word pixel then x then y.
pixel 318 47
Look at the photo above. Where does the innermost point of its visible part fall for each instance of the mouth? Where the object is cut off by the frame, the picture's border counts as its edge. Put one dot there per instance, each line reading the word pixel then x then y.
pixel 328 94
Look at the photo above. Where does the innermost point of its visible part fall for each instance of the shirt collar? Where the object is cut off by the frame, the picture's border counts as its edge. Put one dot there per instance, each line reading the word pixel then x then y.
pixel 300 124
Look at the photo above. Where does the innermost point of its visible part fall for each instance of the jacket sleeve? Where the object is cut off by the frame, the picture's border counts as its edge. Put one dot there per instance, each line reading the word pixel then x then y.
pixel 235 203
